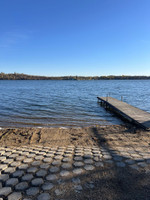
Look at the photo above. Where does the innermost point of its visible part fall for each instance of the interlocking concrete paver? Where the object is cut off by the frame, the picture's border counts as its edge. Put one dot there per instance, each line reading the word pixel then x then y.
pixel 8 161
pixel 120 164
pixel 12 182
pixel 27 160
pixel 4 177
pixel 78 158
pixel 21 186
pixel 45 166
pixel 36 163
pixel 27 177
pixel 23 166
pixel 47 160
pixel 5 191
pixel 15 164
pixel 18 173
pixel 2 158
pixel 32 169
pixel 3 166
pixel 64 173
pixel 47 186
pixel 78 171
pixel 99 164
pixel 10 170
pixel 78 164
pixel 37 181
pixel 24 170
pixel 51 177
pixel 32 191
pixel 15 196
pixel 89 167
pixel 54 169
pixel 66 166
pixel 44 196
pixel 41 173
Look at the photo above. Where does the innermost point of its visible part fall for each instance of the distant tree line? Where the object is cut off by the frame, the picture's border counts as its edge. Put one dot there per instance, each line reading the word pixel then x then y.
pixel 17 76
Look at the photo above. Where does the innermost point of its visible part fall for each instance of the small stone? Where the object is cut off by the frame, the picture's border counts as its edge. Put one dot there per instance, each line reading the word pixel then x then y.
pixel 64 173
pixel 88 167
pixel 21 186
pixel 32 191
pixel 43 196
pixel 37 181
pixel 11 182
pixel 5 191
pixel 47 186
pixel 15 196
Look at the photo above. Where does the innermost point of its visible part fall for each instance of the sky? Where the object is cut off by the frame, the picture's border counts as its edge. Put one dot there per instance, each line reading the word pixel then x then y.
pixel 75 37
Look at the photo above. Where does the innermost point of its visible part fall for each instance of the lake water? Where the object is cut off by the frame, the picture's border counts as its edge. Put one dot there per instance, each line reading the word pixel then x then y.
pixel 66 103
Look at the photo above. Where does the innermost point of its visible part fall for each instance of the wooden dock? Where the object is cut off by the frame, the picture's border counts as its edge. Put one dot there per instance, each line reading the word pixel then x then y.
pixel 126 111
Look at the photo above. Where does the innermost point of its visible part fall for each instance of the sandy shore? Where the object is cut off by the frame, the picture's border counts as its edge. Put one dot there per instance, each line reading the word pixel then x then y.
pixel 123 171
pixel 87 136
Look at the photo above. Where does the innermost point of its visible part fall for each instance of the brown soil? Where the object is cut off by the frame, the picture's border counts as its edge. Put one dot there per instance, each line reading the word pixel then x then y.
pixel 87 136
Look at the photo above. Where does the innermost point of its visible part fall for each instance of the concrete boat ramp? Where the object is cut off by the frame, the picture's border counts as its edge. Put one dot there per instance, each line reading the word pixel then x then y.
pixel 126 111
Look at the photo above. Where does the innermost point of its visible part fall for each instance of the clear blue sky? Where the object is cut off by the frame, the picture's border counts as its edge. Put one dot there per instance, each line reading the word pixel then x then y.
pixel 75 37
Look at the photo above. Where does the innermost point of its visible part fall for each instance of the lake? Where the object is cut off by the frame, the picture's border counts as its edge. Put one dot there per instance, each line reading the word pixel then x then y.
pixel 50 103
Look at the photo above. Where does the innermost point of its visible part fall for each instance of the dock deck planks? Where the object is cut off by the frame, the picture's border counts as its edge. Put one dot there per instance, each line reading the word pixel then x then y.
pixel 127 111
